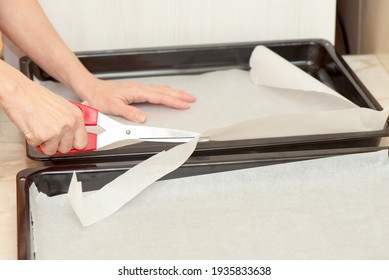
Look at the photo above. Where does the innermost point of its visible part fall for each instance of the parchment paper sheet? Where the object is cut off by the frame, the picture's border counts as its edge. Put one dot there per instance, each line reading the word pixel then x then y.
pixel 332 208
pixel 225 98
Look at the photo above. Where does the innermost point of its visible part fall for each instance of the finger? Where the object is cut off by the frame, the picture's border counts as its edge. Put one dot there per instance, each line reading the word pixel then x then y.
pixel 176 93
pixel 50 147
pixel 80 139
pixel 167 100
pixel 66 142
pixel 31 139
pixel 131 113
pixel 150 93
pixel 165 95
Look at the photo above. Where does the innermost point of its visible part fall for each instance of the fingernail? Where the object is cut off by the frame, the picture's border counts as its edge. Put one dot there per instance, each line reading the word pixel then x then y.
pixel 141 118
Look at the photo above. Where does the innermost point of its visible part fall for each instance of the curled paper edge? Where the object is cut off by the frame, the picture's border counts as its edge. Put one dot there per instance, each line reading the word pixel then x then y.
pixel 272 70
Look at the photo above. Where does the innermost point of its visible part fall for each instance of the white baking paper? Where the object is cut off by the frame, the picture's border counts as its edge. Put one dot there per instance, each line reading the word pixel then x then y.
pixel 331 208
pixel 232 104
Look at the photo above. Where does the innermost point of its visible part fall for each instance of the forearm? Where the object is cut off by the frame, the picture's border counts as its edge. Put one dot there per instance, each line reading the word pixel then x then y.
pixel 8 85
pixel 24 22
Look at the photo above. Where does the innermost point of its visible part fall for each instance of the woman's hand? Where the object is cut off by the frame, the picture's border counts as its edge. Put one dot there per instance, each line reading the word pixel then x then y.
pixel 117 97
pixel 45 119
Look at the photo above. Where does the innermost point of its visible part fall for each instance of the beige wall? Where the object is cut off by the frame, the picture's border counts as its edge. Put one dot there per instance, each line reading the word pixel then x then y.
pixel 374 29
pixel 116 24
pixel 119 24
pixel 366 22
pixel 374 26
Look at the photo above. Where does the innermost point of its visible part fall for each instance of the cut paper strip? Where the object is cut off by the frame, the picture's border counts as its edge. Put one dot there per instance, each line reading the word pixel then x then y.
pixel 270 69
pixel 103 203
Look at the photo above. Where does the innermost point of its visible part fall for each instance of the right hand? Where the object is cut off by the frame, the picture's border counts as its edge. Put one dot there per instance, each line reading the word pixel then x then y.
pixel 46 119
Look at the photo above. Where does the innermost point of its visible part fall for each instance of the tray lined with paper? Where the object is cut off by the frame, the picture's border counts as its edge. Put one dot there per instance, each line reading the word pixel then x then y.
pixel 204 70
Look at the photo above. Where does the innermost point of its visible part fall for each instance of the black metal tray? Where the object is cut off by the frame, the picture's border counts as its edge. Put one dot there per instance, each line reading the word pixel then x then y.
pixel 316 57
pixel 55 180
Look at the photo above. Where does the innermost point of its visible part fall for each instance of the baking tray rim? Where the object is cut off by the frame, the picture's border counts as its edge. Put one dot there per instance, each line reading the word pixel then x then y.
pixel 239 144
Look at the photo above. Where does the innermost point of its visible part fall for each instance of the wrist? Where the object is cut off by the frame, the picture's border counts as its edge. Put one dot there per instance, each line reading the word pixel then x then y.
pixel 9 87
pixel 84 85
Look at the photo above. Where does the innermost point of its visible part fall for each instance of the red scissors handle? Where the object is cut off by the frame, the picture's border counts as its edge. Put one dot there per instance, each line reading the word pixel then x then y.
pixel 90 119
pixel 90 114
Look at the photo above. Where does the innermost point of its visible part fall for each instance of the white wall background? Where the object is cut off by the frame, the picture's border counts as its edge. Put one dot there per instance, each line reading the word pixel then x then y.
pixel 120 24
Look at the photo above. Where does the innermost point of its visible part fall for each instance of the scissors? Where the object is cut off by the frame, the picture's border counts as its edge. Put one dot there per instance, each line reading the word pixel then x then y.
pixel 115 131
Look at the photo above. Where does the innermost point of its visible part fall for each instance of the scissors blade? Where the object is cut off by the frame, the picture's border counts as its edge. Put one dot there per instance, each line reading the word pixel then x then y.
pixel 143 133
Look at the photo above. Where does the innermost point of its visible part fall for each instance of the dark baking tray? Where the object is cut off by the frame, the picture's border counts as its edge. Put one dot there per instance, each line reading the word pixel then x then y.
pixel 317 57
pixel 55 180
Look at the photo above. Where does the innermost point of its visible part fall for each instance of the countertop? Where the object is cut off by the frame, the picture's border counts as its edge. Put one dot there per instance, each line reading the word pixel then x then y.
pixel 370 69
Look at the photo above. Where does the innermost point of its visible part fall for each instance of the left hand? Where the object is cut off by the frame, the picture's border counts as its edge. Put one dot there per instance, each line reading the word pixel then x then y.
pixel 117 97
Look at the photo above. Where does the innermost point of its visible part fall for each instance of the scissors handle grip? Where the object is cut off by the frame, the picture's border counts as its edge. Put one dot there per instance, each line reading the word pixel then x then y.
pixel 90 114
pixel 90 119
pixel 91 146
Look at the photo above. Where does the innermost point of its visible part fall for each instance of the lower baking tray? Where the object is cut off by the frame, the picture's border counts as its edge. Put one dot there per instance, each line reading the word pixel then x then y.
pixel 55 180
pixel 316 57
